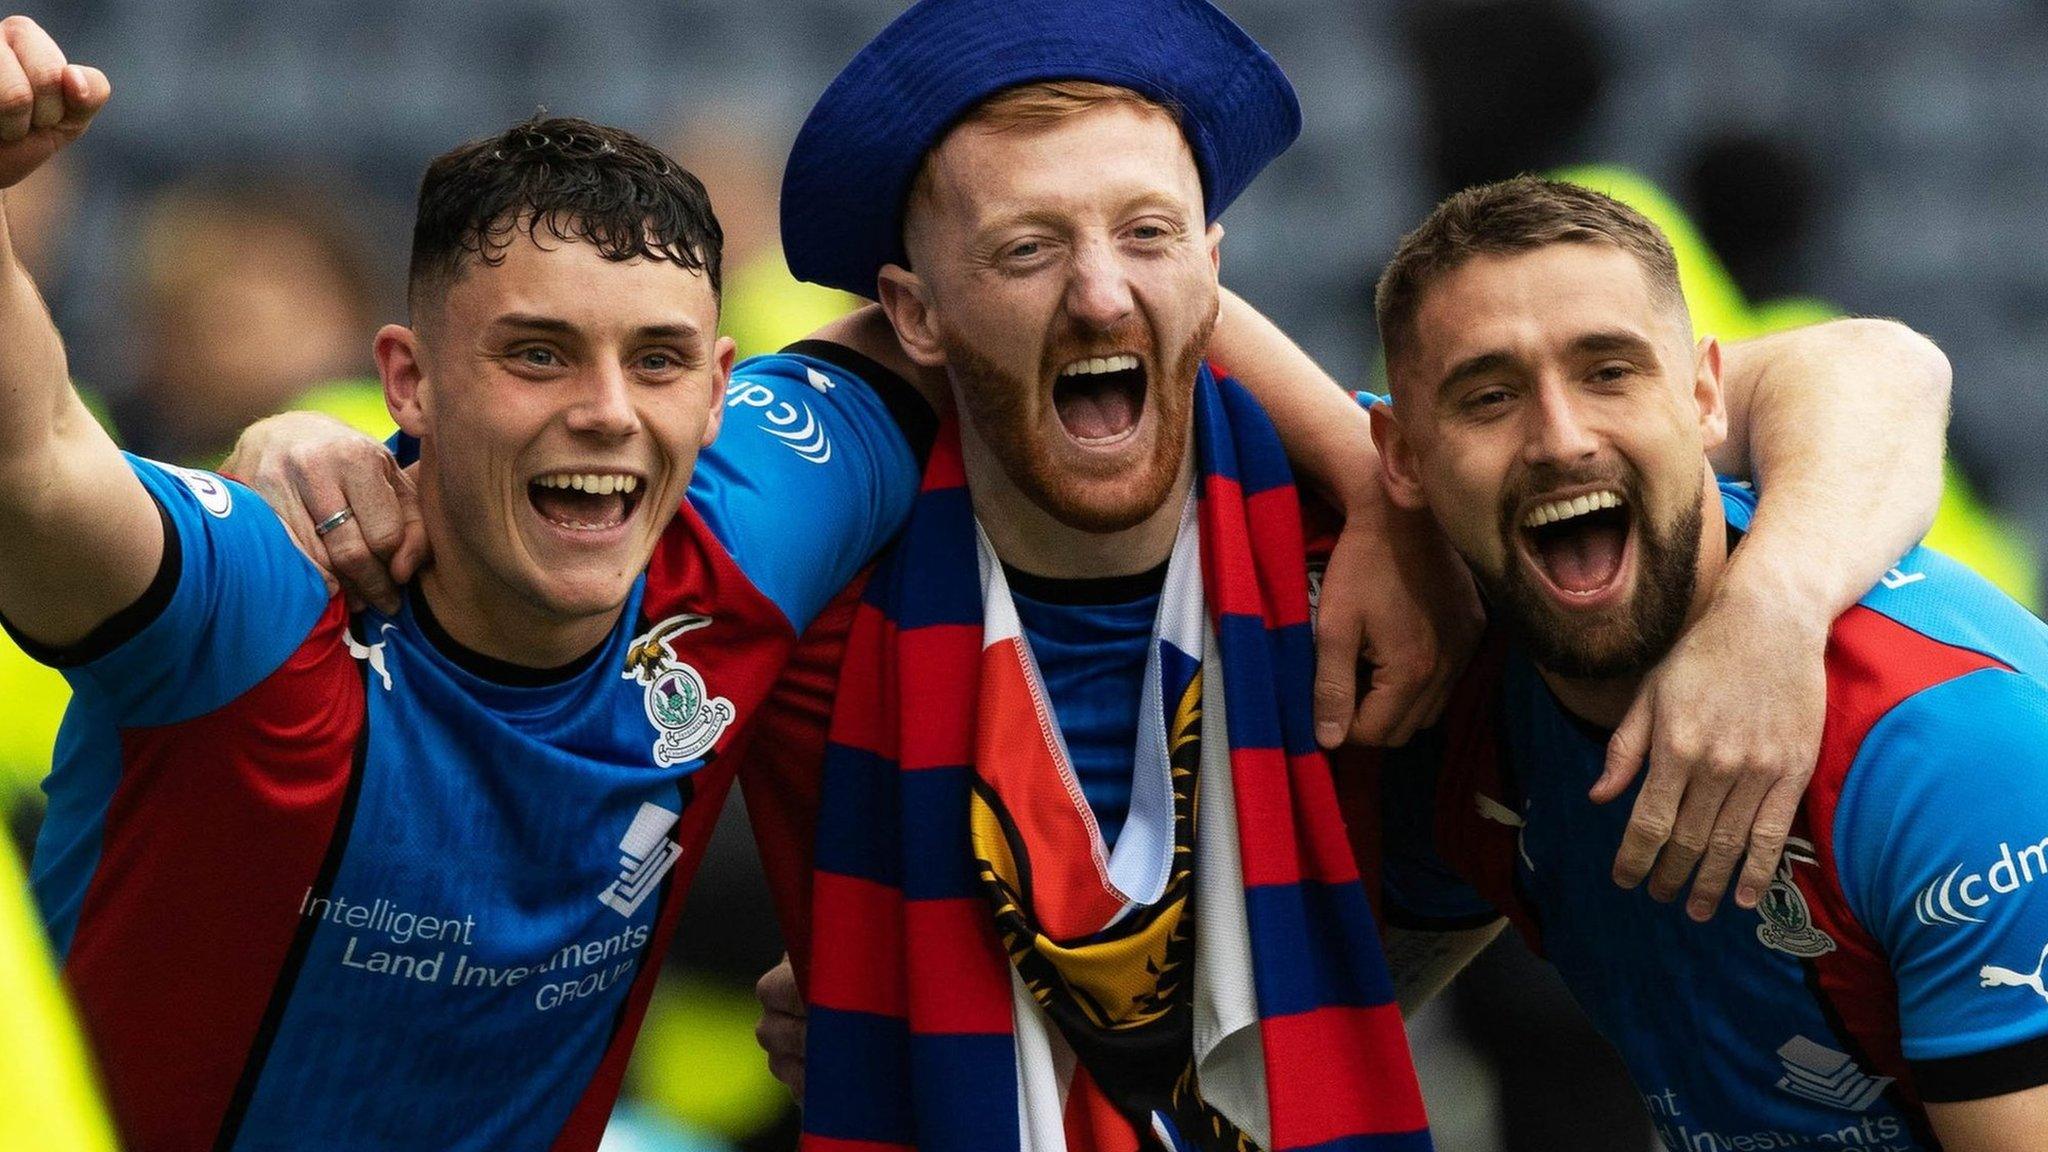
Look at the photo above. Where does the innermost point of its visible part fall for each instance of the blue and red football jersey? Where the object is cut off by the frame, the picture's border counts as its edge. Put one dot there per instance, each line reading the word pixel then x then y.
pixel 332 882
pixel 1897 958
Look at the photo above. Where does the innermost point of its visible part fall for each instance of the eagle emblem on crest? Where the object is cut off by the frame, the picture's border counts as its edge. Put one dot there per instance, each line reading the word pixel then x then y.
pixel 687 718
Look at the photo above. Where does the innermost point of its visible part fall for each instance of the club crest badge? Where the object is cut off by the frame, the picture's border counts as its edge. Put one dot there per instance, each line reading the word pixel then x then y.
pixel 1787 921
pixel 685 713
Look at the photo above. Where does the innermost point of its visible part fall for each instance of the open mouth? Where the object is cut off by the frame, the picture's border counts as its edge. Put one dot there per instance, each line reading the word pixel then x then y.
pixel 1100 399
pixel 585 501
pixel 1579 543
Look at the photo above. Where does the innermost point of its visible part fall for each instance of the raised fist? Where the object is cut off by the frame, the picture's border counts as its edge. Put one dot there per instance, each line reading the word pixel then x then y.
pixel 45 101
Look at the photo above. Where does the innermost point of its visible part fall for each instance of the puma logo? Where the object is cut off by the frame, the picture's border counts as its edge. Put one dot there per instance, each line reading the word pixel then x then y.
pixel 1992 976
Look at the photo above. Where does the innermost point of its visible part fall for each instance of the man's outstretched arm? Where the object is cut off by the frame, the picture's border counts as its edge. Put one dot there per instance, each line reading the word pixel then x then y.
pixel 1841 425
pixel 80 537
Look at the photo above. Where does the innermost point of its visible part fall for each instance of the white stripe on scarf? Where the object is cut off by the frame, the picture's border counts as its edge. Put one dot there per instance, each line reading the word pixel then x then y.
pixel 1230 1059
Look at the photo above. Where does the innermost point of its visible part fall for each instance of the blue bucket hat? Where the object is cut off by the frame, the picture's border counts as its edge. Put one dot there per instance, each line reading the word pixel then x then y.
pixel 851 168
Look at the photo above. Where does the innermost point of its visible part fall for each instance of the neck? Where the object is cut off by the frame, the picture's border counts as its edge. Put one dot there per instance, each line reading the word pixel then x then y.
pixel 1028 537
pixel 1605 701
pixel 479 612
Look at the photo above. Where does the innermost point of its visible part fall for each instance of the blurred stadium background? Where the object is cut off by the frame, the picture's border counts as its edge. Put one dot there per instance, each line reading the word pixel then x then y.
pixel 228 237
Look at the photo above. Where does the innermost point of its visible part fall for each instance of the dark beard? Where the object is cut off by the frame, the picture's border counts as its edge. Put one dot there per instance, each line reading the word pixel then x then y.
pixel 998 405
pixel 1669 572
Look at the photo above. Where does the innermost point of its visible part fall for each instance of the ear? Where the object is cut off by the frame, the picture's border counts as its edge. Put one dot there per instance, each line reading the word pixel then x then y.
pixel 907 303
pixel 1214 238
pixel 400 364
pixel 722 355
pixel 1398 466
pixel 1708 393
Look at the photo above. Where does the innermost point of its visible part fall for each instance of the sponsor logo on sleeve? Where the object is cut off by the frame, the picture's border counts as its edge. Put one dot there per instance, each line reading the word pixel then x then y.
pixel 1787 921
pixel 213 492
pixel 1993 976
pixel 1818 1073
pixel 645 856
pixel 795 425
pixel 1954 898
pixel 686 716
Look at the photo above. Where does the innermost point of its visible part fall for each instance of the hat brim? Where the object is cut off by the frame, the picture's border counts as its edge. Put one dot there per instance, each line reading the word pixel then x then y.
pixel 851 168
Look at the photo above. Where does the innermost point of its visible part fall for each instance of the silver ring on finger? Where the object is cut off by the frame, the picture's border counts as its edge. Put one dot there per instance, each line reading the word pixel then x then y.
pixel 334 521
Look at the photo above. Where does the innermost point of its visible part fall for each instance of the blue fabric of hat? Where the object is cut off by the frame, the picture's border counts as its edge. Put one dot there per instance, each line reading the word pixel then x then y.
pixel 850 171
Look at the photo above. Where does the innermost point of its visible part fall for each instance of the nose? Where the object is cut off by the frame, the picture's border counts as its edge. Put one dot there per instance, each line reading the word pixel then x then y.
pixel 1099 291
pixel 605 405
pixel 1557 432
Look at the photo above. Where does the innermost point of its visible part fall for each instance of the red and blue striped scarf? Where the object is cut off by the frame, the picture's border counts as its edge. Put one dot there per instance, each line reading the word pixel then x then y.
pixel 914 1041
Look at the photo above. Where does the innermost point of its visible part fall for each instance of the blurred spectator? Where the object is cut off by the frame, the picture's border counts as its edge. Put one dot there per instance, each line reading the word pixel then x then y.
pixel 246 297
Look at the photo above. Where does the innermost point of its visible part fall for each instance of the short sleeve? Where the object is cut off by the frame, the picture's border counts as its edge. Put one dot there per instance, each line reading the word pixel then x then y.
pixel 1420 889
pixel 813 472
pixel 232 600
pixel 1942 846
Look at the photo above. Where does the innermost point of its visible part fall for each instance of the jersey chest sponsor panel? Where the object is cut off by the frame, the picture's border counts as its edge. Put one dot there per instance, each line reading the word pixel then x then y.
pixel 1719 1023
pixel 375 900
pixel 502 885
pixel 1863 983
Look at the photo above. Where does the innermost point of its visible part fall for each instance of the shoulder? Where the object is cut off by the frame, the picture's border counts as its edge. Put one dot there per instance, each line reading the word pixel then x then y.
pixel 813 471
pixel 776 389
pixel 1942 776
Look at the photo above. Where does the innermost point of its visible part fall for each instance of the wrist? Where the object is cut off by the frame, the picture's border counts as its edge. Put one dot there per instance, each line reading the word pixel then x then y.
pixel 1779 596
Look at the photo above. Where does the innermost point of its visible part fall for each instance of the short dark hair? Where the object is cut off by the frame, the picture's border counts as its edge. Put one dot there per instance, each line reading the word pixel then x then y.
pixel 576 180
pixel 1511 216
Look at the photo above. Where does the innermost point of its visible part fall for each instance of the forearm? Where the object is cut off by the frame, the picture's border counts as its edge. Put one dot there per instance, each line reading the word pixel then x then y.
pixel 1327 435
pixel 1841 426
pixel 35 384
pixel 79 538
pixel 2014 1122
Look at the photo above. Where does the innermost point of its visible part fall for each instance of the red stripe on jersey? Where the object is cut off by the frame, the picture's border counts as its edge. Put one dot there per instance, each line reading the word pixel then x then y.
pixel 213 839
pixel 743 651
pixel 585 1126
pixel 1873 663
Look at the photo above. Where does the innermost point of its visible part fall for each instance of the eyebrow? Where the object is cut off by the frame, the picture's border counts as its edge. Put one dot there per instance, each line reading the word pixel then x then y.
pixel 555 326
pixel 1615 341
pixel 1473 366
pixel 1047 218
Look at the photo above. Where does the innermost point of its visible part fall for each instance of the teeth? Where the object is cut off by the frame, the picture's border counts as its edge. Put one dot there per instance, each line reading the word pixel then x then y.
pixel 1566 509
pixel 595 483
pixel 1100 364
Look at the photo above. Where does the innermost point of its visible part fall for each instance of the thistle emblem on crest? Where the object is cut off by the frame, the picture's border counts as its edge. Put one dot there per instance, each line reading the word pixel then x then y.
pixel 1787 921
pixel 688 719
